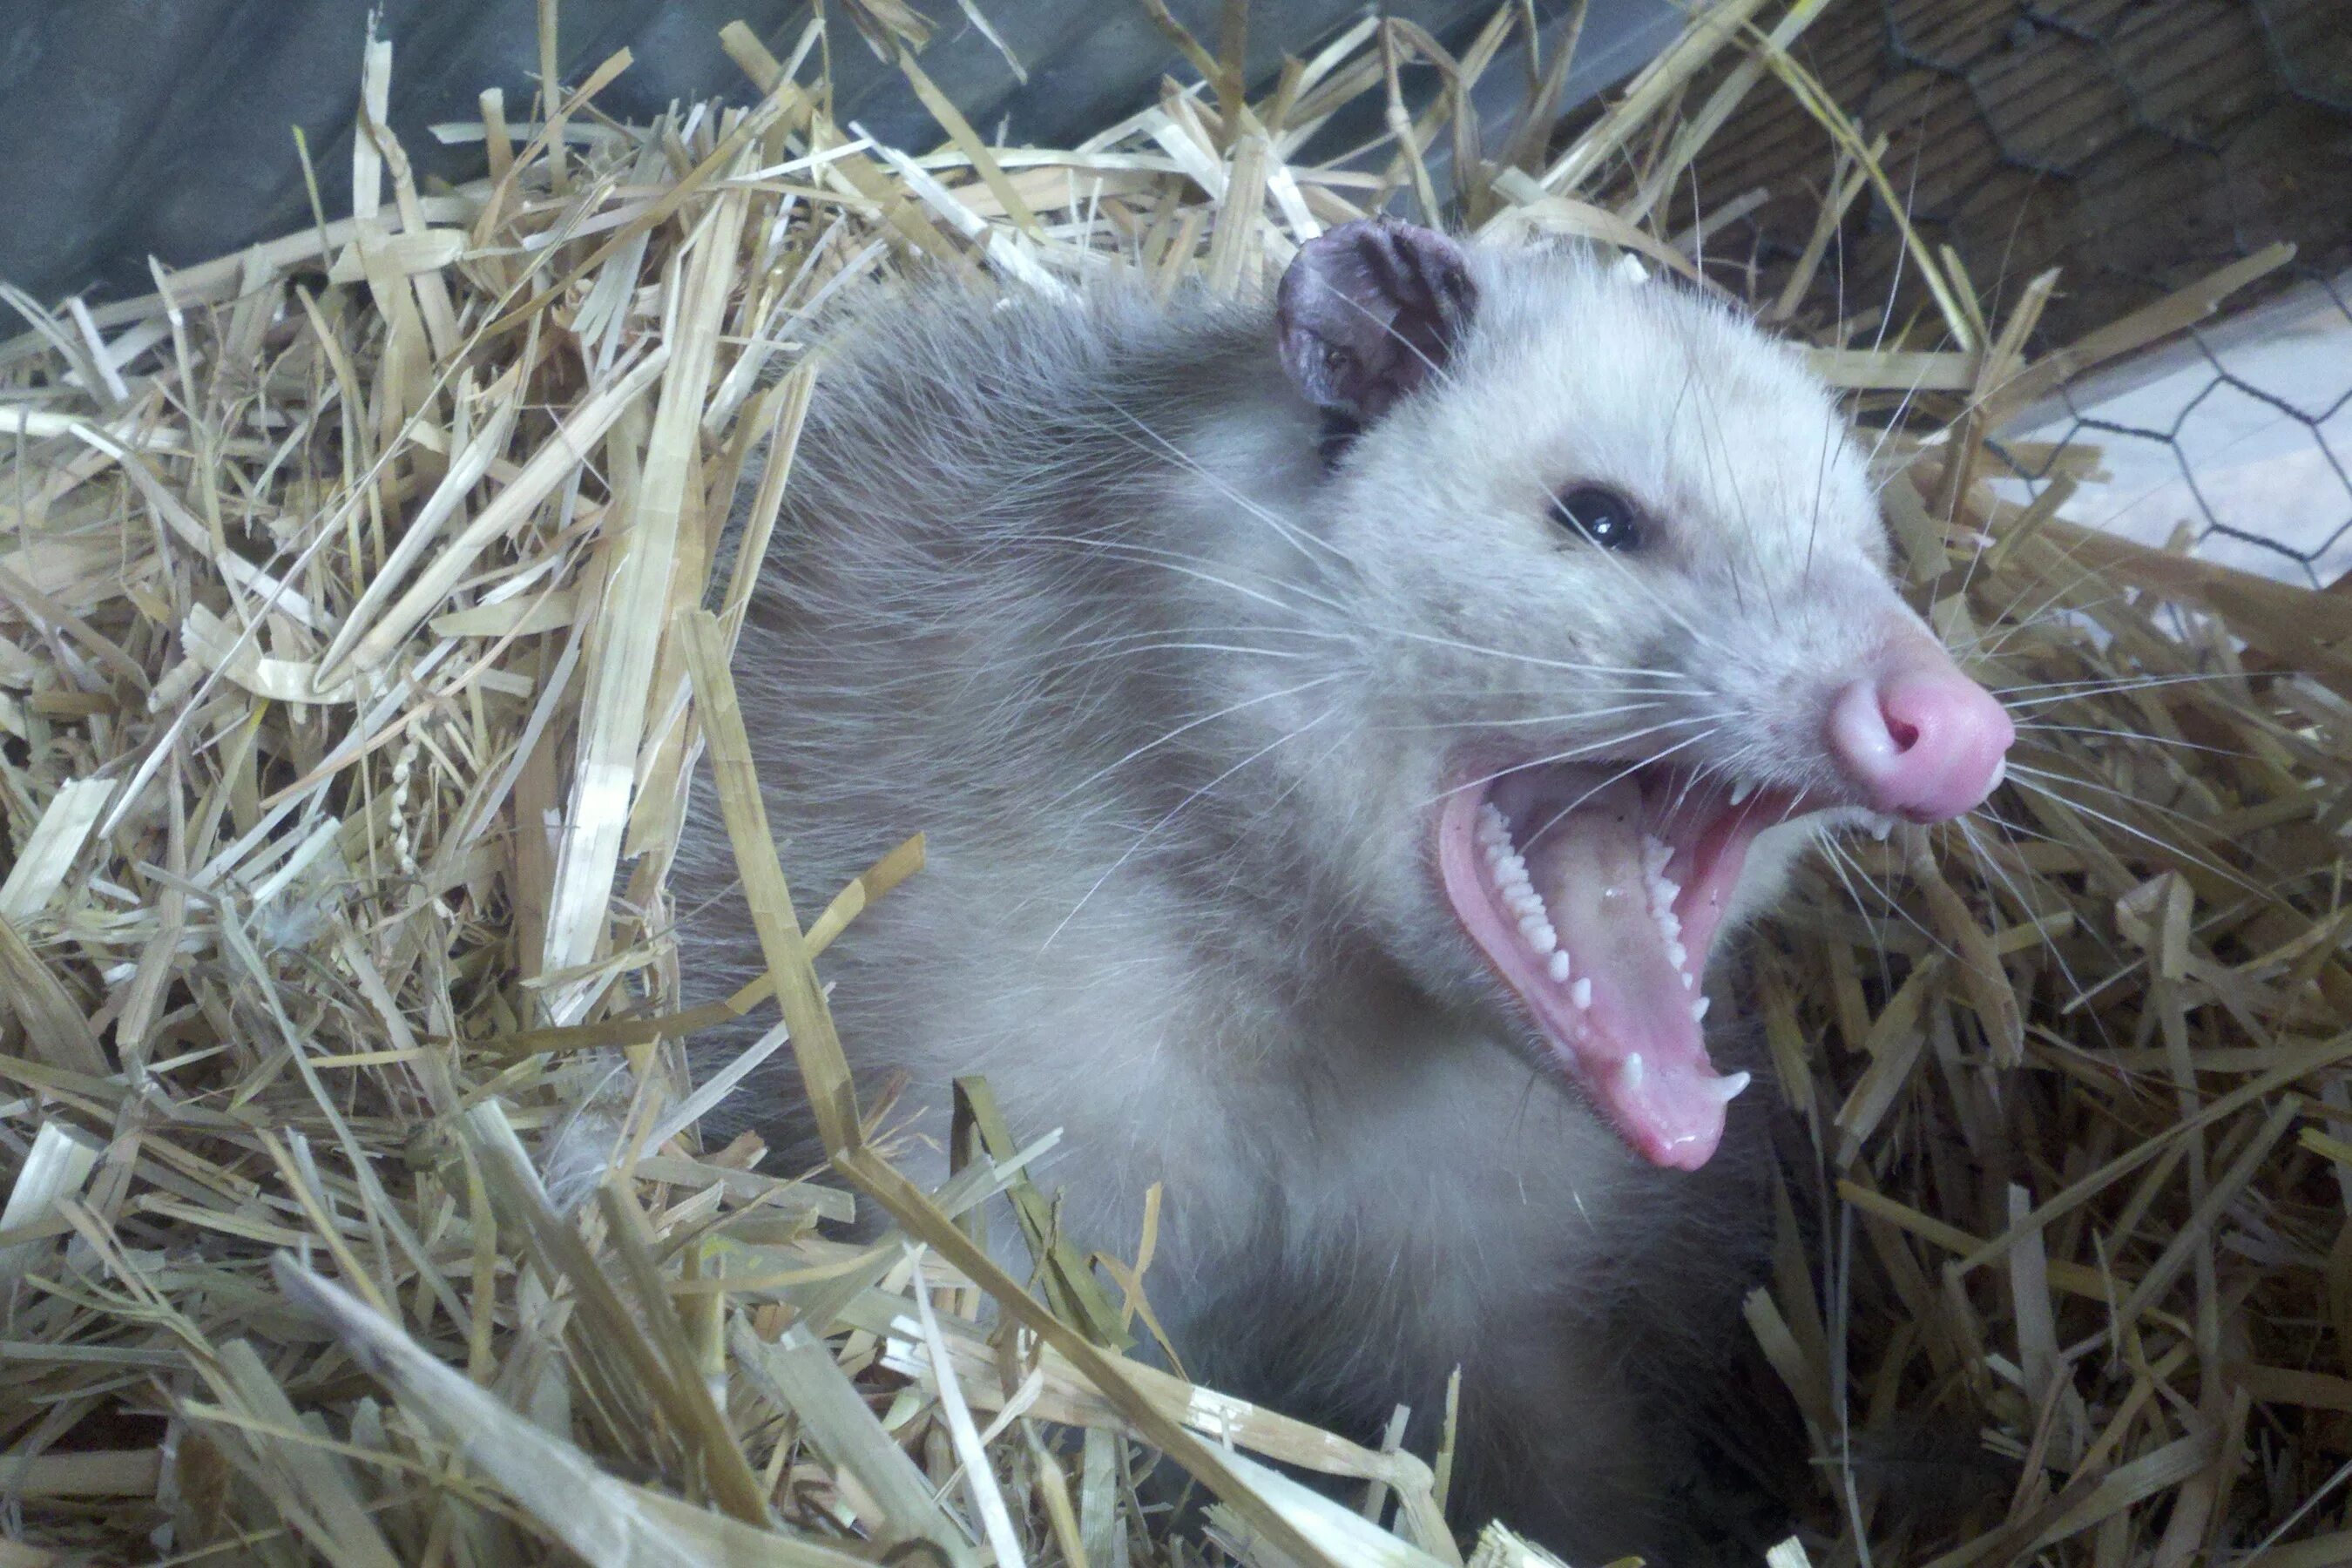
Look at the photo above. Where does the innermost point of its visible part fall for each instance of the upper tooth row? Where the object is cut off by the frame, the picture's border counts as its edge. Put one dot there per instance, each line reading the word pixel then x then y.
pixel 1510 873
pixel 1509 869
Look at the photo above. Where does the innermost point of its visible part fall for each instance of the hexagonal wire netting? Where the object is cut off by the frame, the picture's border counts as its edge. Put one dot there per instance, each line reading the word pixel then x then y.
pixel 2241 438
pixel 2137 145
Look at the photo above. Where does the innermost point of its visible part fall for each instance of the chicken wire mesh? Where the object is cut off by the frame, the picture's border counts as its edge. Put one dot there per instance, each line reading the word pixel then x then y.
pixel 2136 145
pixel 2234 443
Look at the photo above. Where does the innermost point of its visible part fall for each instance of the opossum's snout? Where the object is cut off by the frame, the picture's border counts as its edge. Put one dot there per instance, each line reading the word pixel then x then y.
pixel 1916 738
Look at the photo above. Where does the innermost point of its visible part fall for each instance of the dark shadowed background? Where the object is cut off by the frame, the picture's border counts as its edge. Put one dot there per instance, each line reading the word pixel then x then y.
pixel 2135 144
pixel 136 127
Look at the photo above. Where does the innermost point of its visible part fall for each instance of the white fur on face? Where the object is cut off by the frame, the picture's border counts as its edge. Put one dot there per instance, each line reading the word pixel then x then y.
pixel 1759 586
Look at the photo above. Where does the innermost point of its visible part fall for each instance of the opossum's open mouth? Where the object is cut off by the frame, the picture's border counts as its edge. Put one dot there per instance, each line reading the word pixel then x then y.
pixel 1595 894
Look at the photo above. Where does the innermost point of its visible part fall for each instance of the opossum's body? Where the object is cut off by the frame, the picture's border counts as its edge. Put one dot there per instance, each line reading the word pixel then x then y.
pixel 1175 652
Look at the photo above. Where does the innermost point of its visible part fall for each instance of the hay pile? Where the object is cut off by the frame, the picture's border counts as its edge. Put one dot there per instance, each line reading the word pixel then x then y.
pixel 350 684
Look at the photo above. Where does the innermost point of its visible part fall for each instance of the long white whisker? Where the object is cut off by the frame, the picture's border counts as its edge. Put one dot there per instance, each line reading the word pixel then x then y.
pixel 1992 863
pixel 1536 721
pixel 1530 658
pixel 1172 814
pixel 2104 688
pixel 1184 565
pixel 1628 771
pixel 2167 741
pixel 2197 824
pixel 1297 538
pixel 2042 787
pixel 1190 725
pixel 1840 857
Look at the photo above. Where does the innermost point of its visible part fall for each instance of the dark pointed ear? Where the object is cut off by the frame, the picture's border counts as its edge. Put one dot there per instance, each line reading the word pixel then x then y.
pixel 1368 312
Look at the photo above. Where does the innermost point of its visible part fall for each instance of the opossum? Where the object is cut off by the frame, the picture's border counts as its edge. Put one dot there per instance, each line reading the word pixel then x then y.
pixel 1344 725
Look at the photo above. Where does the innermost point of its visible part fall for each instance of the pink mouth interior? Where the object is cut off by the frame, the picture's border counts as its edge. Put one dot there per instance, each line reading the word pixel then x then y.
pixel 1596 900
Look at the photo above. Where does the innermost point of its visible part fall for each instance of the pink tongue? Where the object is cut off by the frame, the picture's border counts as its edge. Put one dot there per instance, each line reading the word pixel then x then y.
pixel 1640 1053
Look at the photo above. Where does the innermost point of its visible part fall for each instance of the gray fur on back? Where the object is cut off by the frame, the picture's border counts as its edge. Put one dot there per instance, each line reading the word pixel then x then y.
pixel 1056 585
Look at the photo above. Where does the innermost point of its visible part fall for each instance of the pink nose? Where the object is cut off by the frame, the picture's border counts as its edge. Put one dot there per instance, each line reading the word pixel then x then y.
pixel 1920 739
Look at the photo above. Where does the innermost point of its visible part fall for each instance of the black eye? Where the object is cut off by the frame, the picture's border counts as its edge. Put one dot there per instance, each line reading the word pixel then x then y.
pixel 1599 515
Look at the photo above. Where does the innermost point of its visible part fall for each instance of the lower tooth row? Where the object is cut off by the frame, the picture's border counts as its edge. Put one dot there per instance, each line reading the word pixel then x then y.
pixel 1511 880
pixel 1520 895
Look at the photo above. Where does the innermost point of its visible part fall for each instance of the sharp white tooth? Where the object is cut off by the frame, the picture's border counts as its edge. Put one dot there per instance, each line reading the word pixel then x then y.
pixel 2000 771
pixel 1739 792
pixel 1630 1071
pixel 1669 924
pixel 1698 1008
pixel 1559 965
pixel 1690 981
pixel 1727 1087
pixel 1677 954
pixel 1656 854
pixel 1881 827
pixel 1546 941
pixel 1582 993
pixel 1670 889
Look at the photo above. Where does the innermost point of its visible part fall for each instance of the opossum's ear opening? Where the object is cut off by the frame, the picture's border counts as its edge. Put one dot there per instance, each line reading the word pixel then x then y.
pixel 1368 312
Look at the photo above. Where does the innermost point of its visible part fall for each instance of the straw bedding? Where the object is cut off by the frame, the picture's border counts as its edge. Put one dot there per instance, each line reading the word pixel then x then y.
pixel 336 577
